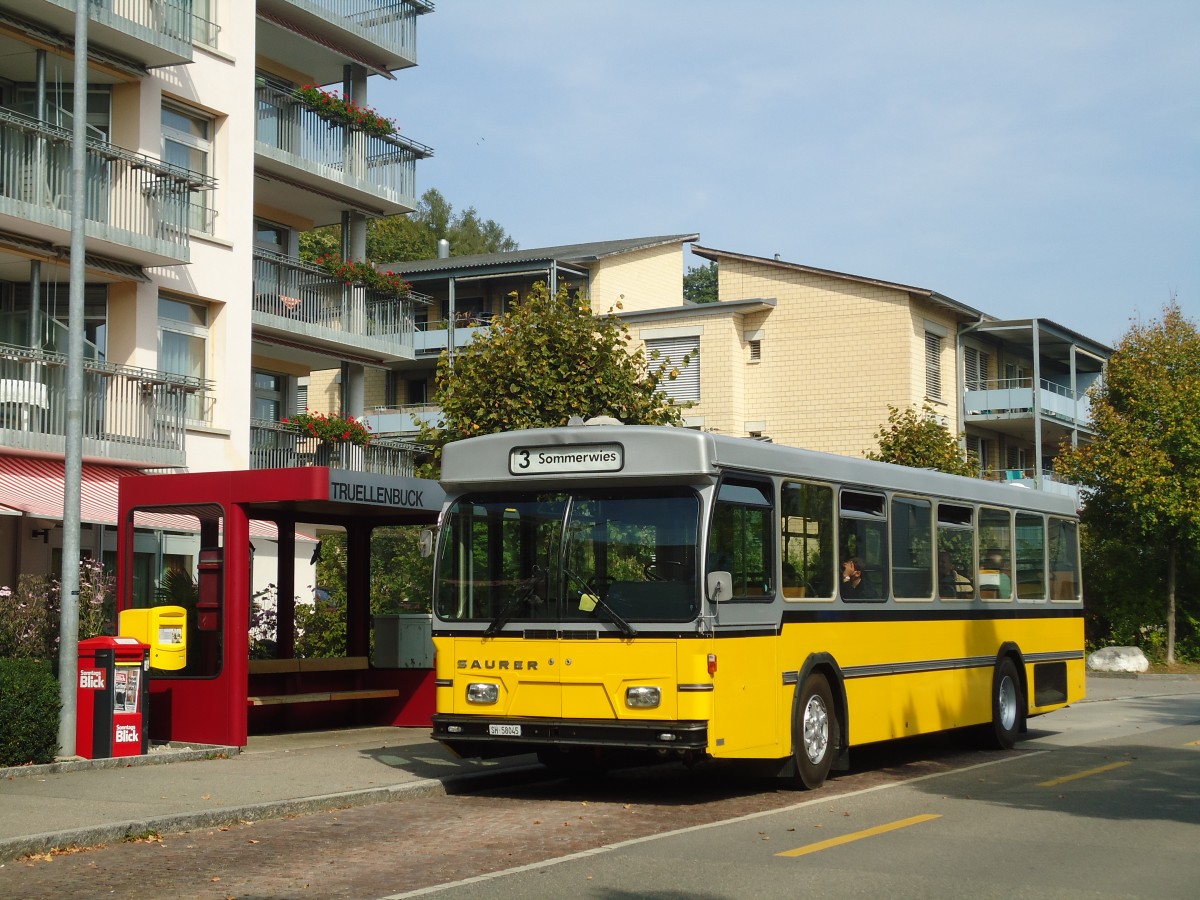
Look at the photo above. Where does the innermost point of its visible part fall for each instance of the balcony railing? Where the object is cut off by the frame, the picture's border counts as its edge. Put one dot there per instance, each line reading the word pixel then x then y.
pixel 389 23
pixel 382 166
pixel 1051 482
pixel 1013 396
pixel 129 199
pixel 406 419
pixel 129 414
pixel 274 445
pixel 171 18
pixel 434 336
pixel 295 294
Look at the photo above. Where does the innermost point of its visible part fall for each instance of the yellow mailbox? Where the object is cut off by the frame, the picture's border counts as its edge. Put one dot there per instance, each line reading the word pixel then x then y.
pixel 164 628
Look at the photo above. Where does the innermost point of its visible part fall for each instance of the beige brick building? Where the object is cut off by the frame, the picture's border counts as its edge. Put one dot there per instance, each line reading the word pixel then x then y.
pixel 790 353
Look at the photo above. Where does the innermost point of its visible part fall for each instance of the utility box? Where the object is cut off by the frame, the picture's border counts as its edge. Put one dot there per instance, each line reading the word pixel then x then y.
pixel 113 700
pixel 404 641
pixel 163 628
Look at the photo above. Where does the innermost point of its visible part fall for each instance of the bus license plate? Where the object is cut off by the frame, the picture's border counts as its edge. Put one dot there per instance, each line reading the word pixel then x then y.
pixel 505 730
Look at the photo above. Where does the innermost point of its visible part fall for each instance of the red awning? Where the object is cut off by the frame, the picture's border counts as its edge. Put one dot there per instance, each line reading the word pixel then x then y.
pixel 36 487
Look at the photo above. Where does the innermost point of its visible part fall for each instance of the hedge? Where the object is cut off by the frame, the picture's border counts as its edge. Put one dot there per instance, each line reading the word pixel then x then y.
pixel 29 712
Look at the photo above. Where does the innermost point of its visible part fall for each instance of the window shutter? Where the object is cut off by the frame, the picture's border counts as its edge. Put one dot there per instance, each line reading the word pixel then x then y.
pixel 933 366
pixel 976 364
pixel 686 387
pixel 755 351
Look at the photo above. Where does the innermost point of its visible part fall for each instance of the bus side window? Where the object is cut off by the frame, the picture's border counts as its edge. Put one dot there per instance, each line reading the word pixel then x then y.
pixel 862 536
pixel 806 540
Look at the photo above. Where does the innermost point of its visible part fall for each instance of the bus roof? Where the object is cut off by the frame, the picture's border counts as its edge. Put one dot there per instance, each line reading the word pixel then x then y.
pixel 630 454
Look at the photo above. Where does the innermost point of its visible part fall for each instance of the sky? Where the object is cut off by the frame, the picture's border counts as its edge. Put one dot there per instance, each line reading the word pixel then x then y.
pixel 1024 158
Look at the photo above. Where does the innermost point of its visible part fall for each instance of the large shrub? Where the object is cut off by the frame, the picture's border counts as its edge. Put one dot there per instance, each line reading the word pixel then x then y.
pixel 29 710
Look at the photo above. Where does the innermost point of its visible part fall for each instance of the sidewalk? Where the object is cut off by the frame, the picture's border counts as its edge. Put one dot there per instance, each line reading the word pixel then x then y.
pixel 181 788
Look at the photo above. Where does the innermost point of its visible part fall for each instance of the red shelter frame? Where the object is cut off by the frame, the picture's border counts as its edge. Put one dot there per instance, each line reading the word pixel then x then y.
pixel 212 708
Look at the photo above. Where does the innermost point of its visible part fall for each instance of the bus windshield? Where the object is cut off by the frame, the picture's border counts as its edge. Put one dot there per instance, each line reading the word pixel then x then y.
pixel 588 555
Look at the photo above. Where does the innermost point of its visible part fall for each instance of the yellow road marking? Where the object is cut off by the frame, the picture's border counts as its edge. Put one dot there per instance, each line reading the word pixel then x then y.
pixel 858 835
pixel 1056 781
pixel 1193 744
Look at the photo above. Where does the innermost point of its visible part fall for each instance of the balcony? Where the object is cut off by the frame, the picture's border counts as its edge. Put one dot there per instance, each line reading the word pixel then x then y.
pixel 380 35
pixel 299 302
pixel 322 166
pixel 131 416
pixel 274 445
pixel 1014 399
pixel 1050 481
pixel 136 209
pixel 433 338
pixel 151 33
pixel 405 419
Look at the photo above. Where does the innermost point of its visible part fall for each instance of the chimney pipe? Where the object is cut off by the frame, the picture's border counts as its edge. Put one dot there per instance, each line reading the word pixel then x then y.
pixel 443 249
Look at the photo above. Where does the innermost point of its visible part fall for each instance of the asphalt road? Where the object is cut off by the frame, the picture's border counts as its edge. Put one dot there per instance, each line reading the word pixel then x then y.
pixel 1100 800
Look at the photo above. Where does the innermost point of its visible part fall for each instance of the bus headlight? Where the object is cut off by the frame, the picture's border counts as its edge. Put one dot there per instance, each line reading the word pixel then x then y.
pixel 643 697
pixel 482 692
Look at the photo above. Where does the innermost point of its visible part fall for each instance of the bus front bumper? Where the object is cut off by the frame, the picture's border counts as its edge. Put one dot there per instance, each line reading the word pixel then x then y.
pixel 521 735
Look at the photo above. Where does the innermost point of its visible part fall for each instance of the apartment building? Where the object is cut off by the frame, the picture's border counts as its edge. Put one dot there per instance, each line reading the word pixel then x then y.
pixel 465 293
pixel 813 358
pixel 218 131
pixel 791 353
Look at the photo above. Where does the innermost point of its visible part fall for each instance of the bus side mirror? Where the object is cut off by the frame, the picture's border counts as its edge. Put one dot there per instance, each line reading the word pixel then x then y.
pixel 720 586
pixel 425 542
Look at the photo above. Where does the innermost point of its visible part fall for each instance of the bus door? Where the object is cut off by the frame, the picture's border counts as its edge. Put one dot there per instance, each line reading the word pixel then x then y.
pixel 747 683
pixel 629 602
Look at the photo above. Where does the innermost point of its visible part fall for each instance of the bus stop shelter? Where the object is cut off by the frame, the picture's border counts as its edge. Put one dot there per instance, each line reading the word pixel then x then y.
pixel 208 700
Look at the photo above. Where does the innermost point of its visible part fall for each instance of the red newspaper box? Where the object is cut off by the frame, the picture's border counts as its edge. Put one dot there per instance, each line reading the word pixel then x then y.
pixel 113 710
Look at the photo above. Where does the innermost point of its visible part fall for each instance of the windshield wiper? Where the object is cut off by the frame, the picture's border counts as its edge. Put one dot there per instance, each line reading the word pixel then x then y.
pixel 524 592
pixel 625 628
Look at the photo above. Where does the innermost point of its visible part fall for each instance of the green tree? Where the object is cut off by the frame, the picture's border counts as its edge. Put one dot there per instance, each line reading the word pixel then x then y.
pixel 545 360
pixel 915 438
pixel 1141 473
pixel 415 236
pixel 700 284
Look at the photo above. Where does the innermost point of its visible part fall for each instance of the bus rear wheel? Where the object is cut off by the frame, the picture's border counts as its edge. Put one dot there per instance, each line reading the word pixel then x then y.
pixel 815 732
pixel 1006 705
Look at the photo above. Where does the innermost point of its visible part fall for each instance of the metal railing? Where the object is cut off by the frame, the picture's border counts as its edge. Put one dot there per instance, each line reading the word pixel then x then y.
pixel 122 405
pixel 340 151
pixel 126 191
pixel 303 293
pixel 1009 395
pixel 172 18
pixel 274 445
pixel 389 23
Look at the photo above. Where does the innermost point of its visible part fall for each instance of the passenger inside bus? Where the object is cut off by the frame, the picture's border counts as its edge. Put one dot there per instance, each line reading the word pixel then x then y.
pixel 856 585
pixel 952 583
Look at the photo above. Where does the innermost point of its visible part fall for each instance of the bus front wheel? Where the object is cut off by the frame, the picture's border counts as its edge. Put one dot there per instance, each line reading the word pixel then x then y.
pixel 816 732
pixel 1006 705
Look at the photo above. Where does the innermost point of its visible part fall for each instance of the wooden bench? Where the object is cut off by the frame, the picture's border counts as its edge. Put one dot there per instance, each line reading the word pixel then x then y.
pixel 298 667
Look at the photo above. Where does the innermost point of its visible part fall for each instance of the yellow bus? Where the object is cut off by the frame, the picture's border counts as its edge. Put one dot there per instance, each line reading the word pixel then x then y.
pixel 604 593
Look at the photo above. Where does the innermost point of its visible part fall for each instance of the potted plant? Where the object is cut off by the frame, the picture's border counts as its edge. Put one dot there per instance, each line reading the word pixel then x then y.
pixel 332 106
pixel 331 431
pixel 359 271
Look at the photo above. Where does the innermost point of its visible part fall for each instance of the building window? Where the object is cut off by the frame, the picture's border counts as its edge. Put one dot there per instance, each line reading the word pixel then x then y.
pixel 755 351
pixel 976 364
pixel 183 345
pixel 933 366
pixel 681 355
pixel 270 391
pixel 187 143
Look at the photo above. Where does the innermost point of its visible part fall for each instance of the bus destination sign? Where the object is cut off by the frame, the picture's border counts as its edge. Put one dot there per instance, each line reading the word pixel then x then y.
pixel 562 460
